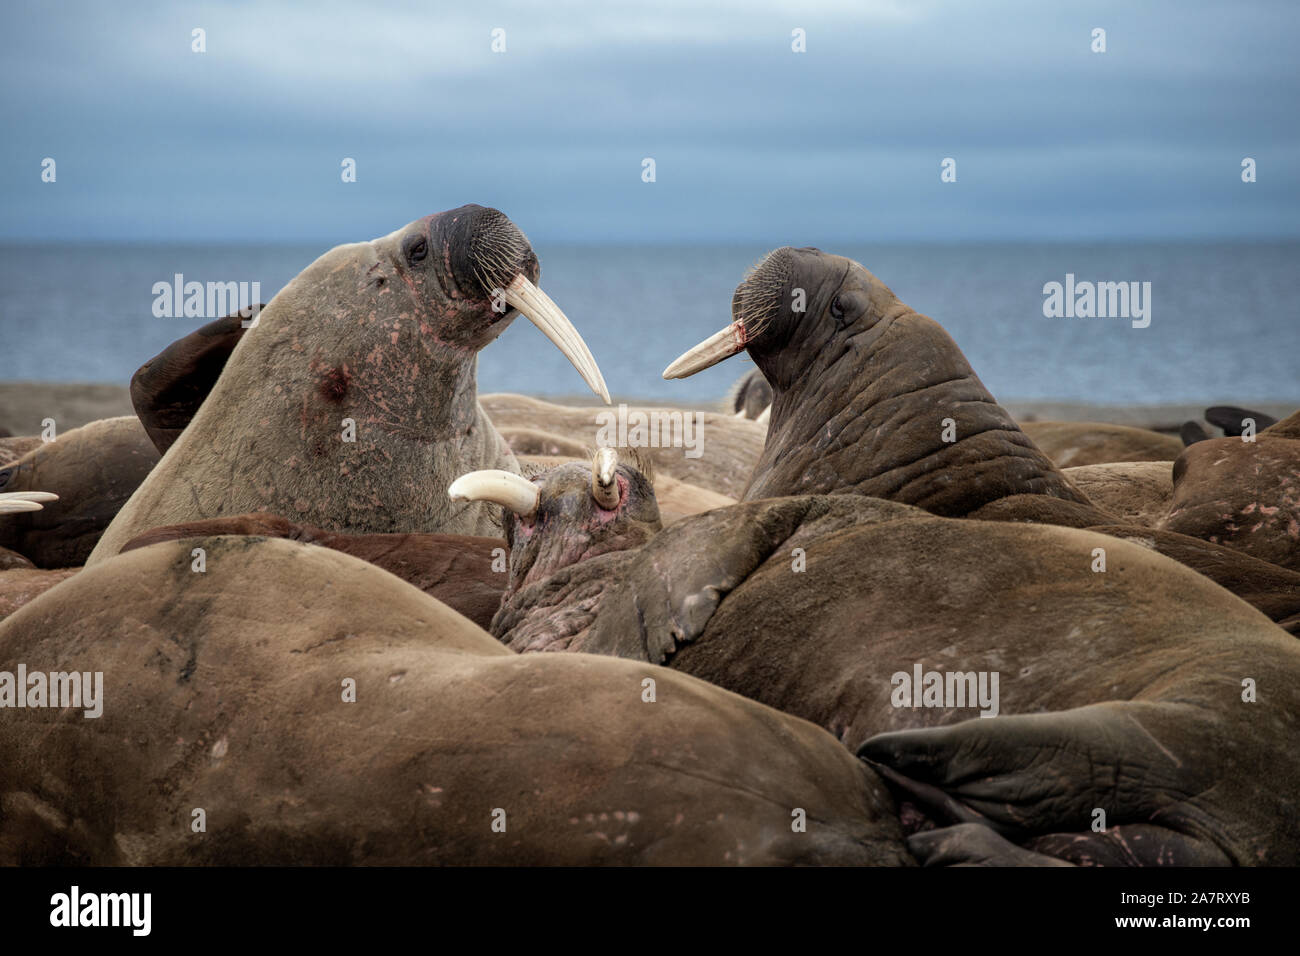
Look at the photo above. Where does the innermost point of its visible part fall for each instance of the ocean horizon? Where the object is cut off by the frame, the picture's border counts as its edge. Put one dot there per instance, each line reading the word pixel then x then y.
pixel 1223 318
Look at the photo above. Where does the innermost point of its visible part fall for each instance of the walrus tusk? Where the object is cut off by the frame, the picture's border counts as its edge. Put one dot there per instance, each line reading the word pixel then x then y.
pixel 604 479
pixel 12 502
pixel 536 306
pixel 500 487
pixel 718 346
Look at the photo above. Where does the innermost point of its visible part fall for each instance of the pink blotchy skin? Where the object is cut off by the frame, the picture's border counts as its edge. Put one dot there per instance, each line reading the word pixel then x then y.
pixel 579 528
pixel 563 558
pixel 352 404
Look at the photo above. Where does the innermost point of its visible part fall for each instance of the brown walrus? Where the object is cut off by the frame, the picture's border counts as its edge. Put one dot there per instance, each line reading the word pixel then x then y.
pixel 1245 494
pixel 874 399
pixel 1137 669
pixel 869 396
pixel 317 710
pixel 1073 444
pixel 352 403
pixel 94 470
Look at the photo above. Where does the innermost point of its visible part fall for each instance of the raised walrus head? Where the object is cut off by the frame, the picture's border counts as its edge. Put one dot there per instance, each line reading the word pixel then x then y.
pixel 570 530
pixel 868 395
pixel 351 402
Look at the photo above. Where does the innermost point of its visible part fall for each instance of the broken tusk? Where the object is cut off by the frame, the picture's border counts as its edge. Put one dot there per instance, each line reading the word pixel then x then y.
pixel 718 346
pixel 604 478
pixel 536 306
pixel 500 487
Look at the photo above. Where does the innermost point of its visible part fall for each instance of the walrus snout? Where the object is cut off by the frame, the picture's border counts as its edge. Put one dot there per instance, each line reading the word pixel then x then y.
pixel 491 261
pixel 571 513
pixel 486 251
pixel 767 292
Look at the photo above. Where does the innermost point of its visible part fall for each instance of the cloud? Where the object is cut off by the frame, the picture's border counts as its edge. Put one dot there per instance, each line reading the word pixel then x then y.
pixel 751 140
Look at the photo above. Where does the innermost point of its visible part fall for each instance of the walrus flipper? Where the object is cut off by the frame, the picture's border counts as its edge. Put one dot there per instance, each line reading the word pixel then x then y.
pixel 1233 419
pixel 1191 432
pixel 1060 776
pixel 973 844
pixel 683 574
pixel 167 390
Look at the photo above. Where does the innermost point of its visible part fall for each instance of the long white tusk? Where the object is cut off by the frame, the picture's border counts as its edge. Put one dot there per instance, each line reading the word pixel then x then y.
pixel 501 487
pixel 718 346
pixel 12 502
pixel 536 306
pixel 604 478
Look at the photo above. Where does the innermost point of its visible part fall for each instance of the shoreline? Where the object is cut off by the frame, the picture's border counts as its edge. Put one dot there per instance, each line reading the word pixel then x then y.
pixel 23 405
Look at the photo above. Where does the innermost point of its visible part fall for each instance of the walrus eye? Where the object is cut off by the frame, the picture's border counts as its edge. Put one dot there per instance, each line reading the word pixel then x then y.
pixel 837 308
pixel 417 247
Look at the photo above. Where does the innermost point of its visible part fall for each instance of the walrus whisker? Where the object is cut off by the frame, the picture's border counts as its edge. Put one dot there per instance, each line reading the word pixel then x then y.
pixel 499 487
pixel 536 306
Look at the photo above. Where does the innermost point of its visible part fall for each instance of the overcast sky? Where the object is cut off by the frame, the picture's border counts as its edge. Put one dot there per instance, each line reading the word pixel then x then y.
pixel 751 141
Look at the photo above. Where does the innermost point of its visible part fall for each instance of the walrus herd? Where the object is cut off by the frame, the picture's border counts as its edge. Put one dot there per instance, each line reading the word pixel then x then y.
pixel 338 608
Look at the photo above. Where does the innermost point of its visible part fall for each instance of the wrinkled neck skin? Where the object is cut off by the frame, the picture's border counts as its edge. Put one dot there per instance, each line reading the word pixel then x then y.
pixel 864 414
pixel 556 612
pixel 558 576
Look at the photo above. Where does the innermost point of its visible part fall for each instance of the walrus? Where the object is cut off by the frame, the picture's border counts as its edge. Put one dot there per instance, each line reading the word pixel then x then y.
pixel 1136 492
pixel 94 469
pixel 1073 444
pixel 352 402
pixel 309 708
pixel 13 448
pixel 466 573
pixel 21 585
pixel 816 604
pixel 571 531
pixel 870 397
pixel 874 399
pixel 20 580
pixel 1245 494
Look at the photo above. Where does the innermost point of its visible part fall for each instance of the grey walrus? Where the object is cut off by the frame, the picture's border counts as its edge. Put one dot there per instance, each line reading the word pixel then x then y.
pixel 317 710
pixel 352 401
pixel 1136 672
